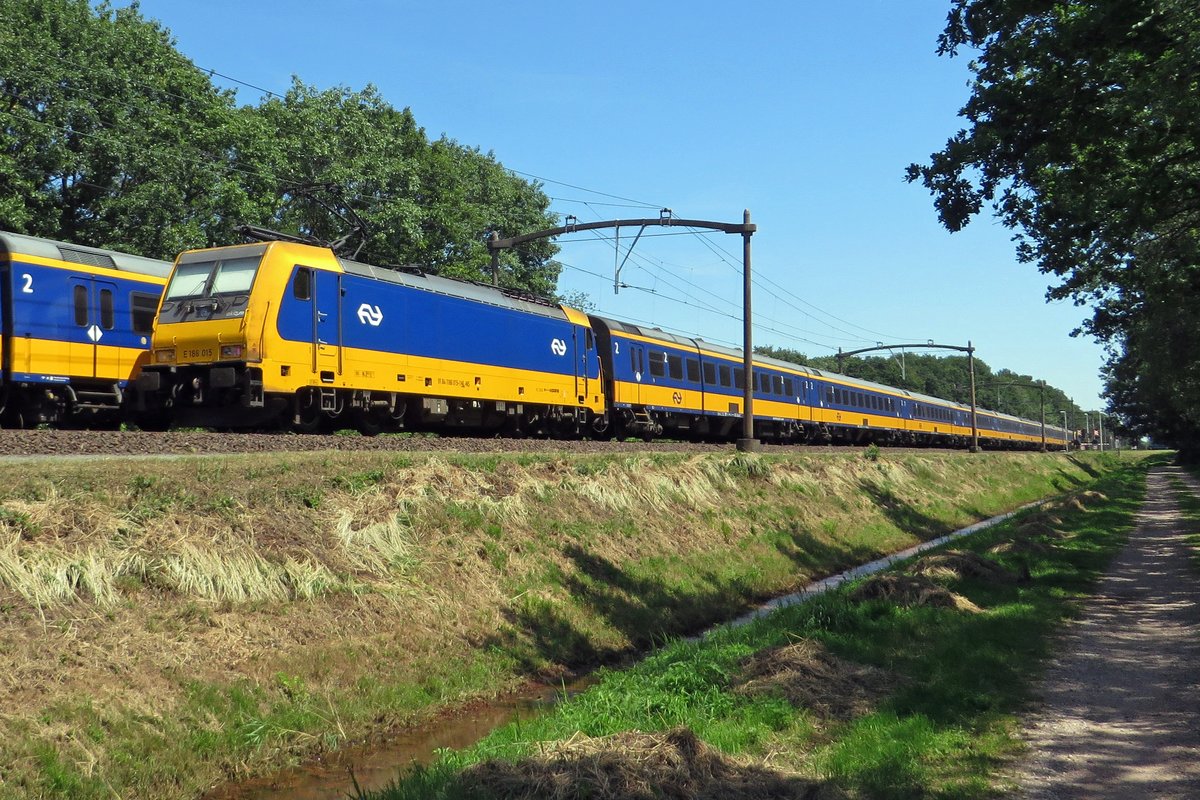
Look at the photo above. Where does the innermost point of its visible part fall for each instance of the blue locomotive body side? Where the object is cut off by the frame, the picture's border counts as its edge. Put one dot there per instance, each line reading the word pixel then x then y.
pixel 400 320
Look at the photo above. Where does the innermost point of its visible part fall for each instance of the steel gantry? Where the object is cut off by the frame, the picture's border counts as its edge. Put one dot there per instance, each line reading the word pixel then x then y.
pixel 969 350
pixel 745 228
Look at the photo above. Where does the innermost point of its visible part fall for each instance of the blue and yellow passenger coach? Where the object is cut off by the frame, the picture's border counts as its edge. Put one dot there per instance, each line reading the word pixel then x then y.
pixel 283 332
pixel 75 326
pixel 659 383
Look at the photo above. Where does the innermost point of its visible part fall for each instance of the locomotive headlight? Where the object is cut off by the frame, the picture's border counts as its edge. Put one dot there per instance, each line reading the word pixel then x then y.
pixel 164 356
pixel 231 351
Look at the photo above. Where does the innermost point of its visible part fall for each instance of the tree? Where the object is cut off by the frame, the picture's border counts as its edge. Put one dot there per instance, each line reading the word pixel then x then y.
pixel 1082 131
pixel 427 203
pixel 108 136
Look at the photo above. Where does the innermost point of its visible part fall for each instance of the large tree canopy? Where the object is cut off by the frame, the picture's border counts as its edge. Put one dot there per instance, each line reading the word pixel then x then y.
pixel 110 137
pixel 1083 136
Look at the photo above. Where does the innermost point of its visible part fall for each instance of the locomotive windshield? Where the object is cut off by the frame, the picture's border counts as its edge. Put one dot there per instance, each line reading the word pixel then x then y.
pixel 211 285
pixel 219 276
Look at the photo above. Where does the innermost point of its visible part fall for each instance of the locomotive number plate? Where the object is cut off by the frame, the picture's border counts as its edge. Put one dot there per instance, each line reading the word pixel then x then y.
pixel 198 352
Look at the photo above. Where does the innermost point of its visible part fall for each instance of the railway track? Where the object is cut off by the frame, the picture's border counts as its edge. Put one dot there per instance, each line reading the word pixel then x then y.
pixel 64 443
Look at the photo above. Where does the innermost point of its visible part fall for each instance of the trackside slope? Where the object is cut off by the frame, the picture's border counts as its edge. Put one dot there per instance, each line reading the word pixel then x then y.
pixel 169 625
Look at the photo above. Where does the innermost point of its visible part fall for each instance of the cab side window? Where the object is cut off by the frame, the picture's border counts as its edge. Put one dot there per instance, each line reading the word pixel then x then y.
pixel 302 284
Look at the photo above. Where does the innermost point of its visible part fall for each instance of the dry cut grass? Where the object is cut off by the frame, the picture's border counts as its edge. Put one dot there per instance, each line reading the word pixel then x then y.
pixel 639 766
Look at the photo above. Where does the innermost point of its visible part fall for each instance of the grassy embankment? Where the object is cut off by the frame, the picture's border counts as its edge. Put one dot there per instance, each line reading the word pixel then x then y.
pixel 168 624
pixel 897 687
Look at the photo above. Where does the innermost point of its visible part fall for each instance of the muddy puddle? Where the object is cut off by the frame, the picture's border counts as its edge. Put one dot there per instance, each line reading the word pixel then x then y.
pixel 375 765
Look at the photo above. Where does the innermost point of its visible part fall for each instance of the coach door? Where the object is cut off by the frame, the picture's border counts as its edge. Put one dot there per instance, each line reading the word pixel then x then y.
pixel 327 324
pixel 585 356
pixel 637 360
pixel 319 292
pixel 93 307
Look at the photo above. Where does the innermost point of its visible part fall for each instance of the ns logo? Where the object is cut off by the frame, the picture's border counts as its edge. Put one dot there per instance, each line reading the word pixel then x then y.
pixel 558 347
pixel 370 315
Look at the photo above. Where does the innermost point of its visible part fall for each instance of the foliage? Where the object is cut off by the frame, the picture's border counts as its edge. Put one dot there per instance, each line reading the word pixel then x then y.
pixel 432 204
pixel 1081 136
pixel 119 143
pixel 124 143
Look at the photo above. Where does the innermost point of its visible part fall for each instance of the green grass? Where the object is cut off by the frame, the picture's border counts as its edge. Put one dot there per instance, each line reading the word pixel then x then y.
pixel 946 732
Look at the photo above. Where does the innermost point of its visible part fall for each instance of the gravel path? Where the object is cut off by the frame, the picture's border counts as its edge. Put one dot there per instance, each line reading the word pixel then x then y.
pixel 1121 713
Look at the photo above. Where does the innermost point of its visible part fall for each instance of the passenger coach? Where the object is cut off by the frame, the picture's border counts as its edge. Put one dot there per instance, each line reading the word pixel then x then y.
pixel 75 325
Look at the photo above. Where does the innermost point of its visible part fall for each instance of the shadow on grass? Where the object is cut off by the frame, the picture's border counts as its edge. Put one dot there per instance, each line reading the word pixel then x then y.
pixel 965 669
pixel 903 514
pixel 942 734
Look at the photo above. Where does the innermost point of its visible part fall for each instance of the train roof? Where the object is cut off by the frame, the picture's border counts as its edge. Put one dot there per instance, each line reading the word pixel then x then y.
pixel 468 290
pixel 19 244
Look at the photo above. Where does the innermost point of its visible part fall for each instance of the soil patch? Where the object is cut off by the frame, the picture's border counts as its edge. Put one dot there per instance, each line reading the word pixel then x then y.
pixel 960 564
pixel 638 766
pixel 909 591
pixel 809 676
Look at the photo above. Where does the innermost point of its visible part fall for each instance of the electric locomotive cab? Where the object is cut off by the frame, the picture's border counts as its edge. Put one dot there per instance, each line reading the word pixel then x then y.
pixel 207 340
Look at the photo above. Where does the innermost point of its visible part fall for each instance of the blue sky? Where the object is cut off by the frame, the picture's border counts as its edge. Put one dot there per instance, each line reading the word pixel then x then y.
pixel 805 113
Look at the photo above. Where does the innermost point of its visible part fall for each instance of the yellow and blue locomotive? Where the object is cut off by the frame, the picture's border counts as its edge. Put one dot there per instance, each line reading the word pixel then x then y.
pixel 75 325
pixel 289 333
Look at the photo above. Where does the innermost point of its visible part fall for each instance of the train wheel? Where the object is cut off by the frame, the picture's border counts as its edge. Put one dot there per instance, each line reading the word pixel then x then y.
pixel 153 421
pixel 369 423
pixel 307 417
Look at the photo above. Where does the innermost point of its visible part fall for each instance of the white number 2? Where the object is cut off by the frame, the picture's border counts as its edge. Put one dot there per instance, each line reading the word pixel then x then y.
pixel 28 287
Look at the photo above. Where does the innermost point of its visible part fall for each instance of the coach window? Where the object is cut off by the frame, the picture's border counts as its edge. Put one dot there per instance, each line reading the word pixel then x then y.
pixel 693 370
pixel 779 385
pixel 141 309
pixel 675 367
pixel 726 376
pixel 107 316
pixel 789 387
pixel 828 396
pixel 302 284
pixel 739 378
pixel 81 305
pixel 710 373
pixel 658 363
pixel 764 383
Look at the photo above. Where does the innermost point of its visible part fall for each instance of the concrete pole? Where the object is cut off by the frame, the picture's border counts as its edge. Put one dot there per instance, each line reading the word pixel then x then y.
pixel 974 418
pixel 747 443
pixel 1042 405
